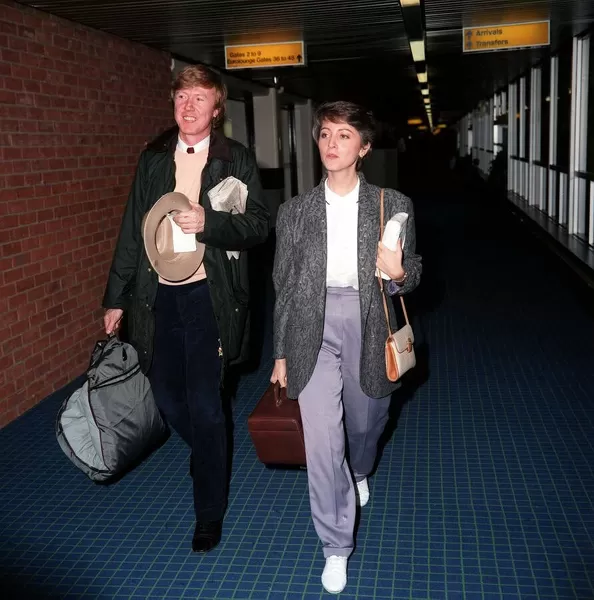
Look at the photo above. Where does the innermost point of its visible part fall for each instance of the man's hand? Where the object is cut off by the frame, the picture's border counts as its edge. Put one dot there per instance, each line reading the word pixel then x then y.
pixel 191 221
pixel 112 319
pixel 390 261
pixel 279 373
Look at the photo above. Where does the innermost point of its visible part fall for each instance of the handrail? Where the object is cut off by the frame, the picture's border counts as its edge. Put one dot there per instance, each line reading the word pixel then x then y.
pixel 584 175
pixel 558 169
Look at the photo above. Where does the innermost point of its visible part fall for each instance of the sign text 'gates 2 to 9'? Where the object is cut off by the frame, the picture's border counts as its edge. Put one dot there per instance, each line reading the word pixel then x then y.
pixel 258 56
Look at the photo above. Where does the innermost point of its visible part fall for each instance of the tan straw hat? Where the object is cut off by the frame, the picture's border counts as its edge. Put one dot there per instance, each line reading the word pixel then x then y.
pixel 158 240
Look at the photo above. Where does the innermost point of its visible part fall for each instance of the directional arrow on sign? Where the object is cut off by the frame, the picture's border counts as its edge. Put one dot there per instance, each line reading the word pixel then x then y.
pixel 299 57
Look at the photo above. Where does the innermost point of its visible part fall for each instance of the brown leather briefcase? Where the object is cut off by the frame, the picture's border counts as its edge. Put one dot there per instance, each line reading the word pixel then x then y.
pixel 276 429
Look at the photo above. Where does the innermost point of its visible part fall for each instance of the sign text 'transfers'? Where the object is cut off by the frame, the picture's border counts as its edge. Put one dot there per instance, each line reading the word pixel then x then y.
pixel 506 37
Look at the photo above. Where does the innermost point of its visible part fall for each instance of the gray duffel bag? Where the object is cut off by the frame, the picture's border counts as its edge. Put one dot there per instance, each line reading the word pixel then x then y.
pixel 110 423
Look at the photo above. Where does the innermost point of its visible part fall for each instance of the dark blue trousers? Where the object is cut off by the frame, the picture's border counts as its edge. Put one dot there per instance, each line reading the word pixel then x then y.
pixel 185 377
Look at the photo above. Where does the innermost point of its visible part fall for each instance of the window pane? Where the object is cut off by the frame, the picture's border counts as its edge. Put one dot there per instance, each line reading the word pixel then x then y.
pixel 564 108
pixel 545 108
pixel 516 114
pixel 590 139
pixel 527 117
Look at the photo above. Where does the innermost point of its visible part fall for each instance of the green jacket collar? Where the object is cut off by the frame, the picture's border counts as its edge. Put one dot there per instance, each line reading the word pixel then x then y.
pixel 166 142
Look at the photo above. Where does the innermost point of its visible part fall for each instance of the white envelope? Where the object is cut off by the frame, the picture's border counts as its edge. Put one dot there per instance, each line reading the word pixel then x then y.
pixel 229 196
pixel 394 230
pixel 182 242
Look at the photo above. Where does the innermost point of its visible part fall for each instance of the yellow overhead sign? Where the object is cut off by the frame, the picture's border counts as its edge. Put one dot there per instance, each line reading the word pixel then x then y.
pixel 506 37
pixel 258 56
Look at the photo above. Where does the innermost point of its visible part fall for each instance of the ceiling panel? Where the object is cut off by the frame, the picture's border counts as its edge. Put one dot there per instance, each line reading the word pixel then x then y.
pixel 460 80
pixel 356 49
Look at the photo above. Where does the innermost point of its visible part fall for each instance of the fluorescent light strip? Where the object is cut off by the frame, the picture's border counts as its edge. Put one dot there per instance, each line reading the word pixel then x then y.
pixel 417 47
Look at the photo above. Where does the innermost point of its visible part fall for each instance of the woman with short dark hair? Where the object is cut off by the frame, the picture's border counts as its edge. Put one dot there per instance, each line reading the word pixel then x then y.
pixel 329 324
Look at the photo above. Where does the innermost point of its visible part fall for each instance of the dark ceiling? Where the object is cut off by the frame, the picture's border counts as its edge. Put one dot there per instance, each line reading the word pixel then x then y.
pixel 356 49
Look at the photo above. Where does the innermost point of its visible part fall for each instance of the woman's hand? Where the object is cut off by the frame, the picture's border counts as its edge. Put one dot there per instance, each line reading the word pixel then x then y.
pixel 390 261
pixel 279 373
pixel 112 319
pixel 191 221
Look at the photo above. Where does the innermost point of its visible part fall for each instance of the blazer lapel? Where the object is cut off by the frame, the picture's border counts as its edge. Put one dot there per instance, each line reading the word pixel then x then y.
pixel 316 236
pixel 368 238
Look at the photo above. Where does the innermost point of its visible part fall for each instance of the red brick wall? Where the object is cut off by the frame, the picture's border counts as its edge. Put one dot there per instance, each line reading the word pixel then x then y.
pixel 76 107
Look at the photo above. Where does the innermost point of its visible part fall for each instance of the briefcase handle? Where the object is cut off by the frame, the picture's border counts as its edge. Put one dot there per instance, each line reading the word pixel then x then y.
pixel 280 394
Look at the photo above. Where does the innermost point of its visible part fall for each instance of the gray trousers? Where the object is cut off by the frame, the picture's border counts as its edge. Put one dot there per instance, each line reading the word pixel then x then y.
pixel 336 412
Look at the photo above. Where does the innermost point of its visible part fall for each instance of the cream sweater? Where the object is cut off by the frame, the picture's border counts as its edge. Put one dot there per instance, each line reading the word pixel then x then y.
pixel 188 177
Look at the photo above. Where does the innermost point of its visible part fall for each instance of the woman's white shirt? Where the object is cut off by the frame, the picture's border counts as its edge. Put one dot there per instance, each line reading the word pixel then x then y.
pixel 342 213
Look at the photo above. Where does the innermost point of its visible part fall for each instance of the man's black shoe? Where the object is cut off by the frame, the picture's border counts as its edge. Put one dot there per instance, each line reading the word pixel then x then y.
pixel 207 535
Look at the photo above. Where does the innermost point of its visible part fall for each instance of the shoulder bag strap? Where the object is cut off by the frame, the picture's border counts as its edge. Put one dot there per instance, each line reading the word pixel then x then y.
pixel 379 277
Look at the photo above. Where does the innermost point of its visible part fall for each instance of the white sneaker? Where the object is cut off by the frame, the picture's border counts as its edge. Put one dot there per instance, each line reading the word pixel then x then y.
pixel 363 488
pixel 334 577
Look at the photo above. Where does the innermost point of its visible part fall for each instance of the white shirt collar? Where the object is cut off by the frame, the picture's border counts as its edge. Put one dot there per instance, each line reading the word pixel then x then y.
pixel 352 197
pixel 202 145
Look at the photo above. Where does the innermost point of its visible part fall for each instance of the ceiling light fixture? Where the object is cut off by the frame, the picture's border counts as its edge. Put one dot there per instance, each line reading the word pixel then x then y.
pixel 422 77
pixel 407 3
pixel 417 47
pixel 425 92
